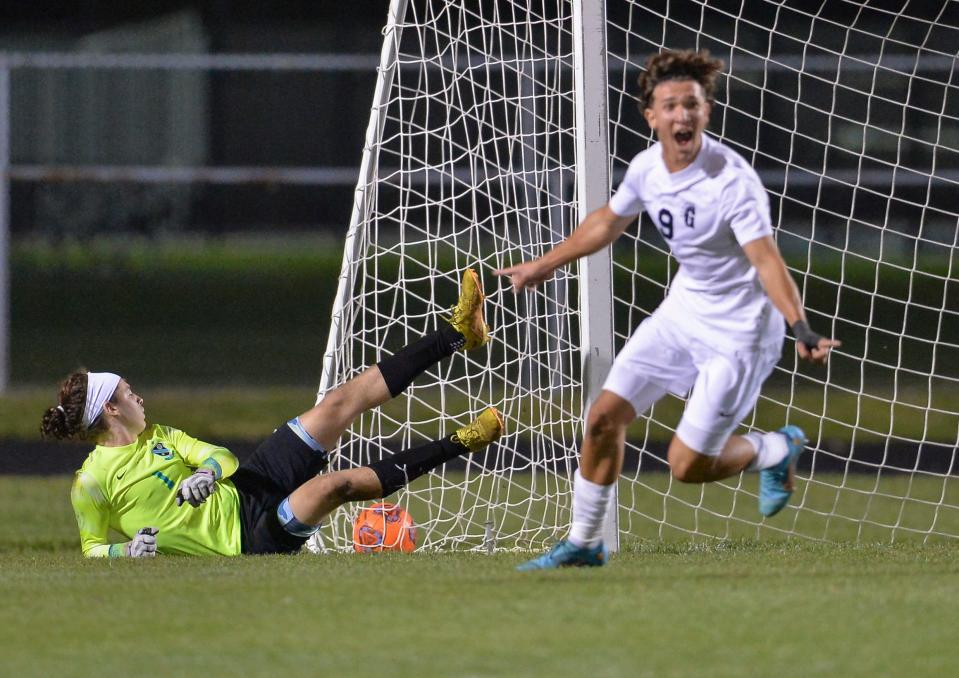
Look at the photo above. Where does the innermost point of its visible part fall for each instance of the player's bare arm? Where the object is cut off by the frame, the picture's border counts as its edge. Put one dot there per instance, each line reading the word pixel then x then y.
pixel 597 230
pixel 783 292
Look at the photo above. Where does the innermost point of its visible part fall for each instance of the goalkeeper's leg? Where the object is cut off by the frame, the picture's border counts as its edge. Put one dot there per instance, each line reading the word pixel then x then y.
pixel 308 505
pixel 465 330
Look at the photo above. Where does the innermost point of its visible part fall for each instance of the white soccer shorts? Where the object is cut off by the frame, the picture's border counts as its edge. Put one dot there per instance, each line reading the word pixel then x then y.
pixel 661 357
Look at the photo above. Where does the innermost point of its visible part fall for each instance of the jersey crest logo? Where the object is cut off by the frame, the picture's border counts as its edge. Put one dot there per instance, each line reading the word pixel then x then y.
pixel 162 450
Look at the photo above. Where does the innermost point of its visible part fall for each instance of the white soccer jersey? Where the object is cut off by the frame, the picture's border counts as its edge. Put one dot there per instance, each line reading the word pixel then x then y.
pixel 706 213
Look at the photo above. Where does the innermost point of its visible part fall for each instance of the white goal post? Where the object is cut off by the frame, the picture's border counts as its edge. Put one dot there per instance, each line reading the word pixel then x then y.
pixel 496 126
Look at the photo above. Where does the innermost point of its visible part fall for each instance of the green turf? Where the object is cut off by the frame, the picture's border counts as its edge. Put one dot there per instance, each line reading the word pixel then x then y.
pixel 758 609
pixel 701 588
pixel 662 607
pixel 526 509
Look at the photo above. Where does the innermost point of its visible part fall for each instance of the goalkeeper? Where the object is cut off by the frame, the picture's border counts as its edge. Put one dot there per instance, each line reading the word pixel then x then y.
pixel 719 330
pixel 172 494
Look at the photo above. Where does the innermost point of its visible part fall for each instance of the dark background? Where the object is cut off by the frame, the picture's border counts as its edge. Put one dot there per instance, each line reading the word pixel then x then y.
pixel 230 315
pixel 318 119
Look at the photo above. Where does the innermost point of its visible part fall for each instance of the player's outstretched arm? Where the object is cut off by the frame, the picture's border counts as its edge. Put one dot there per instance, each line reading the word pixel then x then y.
pixel 781 288
pixel 597 230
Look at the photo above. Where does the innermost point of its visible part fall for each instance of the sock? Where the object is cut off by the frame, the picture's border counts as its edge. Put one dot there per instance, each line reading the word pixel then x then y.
pixel 771 448
pixel 400 369
pixel 305 436
pixel 590 502
pixel 406 466
pixel 290 522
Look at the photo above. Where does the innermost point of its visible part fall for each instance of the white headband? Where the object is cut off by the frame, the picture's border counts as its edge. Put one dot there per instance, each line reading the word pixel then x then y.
pixel 100 388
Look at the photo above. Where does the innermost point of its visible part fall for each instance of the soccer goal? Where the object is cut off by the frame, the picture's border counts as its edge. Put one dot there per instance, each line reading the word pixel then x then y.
pixel 495 126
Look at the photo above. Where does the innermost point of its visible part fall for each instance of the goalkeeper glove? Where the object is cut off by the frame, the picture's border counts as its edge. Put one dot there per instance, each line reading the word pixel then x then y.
pixel 144 544
pixel 197 488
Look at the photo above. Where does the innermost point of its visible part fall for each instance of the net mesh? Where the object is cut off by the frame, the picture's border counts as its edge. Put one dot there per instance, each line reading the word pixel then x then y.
pixel 848 114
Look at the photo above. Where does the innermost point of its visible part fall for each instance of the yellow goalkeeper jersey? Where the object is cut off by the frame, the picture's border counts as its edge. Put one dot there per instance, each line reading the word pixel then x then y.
pixel 133 486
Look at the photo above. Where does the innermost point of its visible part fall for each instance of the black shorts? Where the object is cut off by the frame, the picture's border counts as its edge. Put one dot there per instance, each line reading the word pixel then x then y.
pixel 280 464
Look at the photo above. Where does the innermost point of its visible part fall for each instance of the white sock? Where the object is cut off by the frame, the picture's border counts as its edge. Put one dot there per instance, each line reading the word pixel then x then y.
pixel 590 501
pixel 771 448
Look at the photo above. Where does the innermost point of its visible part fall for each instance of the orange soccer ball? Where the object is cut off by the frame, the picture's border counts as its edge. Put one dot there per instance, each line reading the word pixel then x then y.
pixel 383 527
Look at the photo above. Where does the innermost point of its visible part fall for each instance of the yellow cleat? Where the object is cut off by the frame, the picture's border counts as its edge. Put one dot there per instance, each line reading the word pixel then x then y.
pixel 467 318
pixel 482 431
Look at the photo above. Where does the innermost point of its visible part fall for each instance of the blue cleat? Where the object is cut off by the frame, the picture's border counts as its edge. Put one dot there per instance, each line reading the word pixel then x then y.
pixel 565 554
pixel 776 482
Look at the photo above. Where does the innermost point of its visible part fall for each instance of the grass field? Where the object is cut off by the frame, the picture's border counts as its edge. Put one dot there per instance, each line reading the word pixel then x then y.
pixel 662 607
pixel 701 586
pixel 825 506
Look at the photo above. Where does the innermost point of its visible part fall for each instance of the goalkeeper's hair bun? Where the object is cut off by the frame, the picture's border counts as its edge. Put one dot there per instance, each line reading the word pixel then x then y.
pixel 685 64
pixel 65 420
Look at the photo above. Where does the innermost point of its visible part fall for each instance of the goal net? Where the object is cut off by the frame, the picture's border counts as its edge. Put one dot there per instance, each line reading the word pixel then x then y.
pixel 474 158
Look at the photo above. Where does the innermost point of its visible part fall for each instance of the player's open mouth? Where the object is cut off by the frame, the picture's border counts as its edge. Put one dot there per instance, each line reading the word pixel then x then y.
pixel 684 137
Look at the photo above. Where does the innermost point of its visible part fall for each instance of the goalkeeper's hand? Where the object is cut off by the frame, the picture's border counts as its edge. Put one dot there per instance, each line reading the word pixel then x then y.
pixel 197 488
pixel 143 545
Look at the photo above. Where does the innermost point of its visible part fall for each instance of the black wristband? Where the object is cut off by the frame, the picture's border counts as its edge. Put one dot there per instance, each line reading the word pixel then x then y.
pixel 803 333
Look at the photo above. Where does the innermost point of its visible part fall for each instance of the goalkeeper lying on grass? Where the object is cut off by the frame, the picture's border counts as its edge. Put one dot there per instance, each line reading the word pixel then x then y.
pixel 170 493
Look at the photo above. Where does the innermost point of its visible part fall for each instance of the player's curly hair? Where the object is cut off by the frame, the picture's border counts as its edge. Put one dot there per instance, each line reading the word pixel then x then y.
pixel 684 64
pixel 64 421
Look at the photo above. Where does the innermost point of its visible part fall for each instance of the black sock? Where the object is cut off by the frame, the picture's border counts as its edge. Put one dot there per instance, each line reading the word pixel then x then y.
pixel 406 466
pixel 401 368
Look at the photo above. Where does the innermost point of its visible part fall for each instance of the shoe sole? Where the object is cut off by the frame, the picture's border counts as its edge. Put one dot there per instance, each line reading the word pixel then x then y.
pixel 499 434
pixel 499 420
pixel 529 567
pixel 790 484
pixel 476 281
pixel 482 300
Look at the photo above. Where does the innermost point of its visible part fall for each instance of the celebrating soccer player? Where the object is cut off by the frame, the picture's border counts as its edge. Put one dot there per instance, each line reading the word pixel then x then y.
pixel 720 328
pixel 170 493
